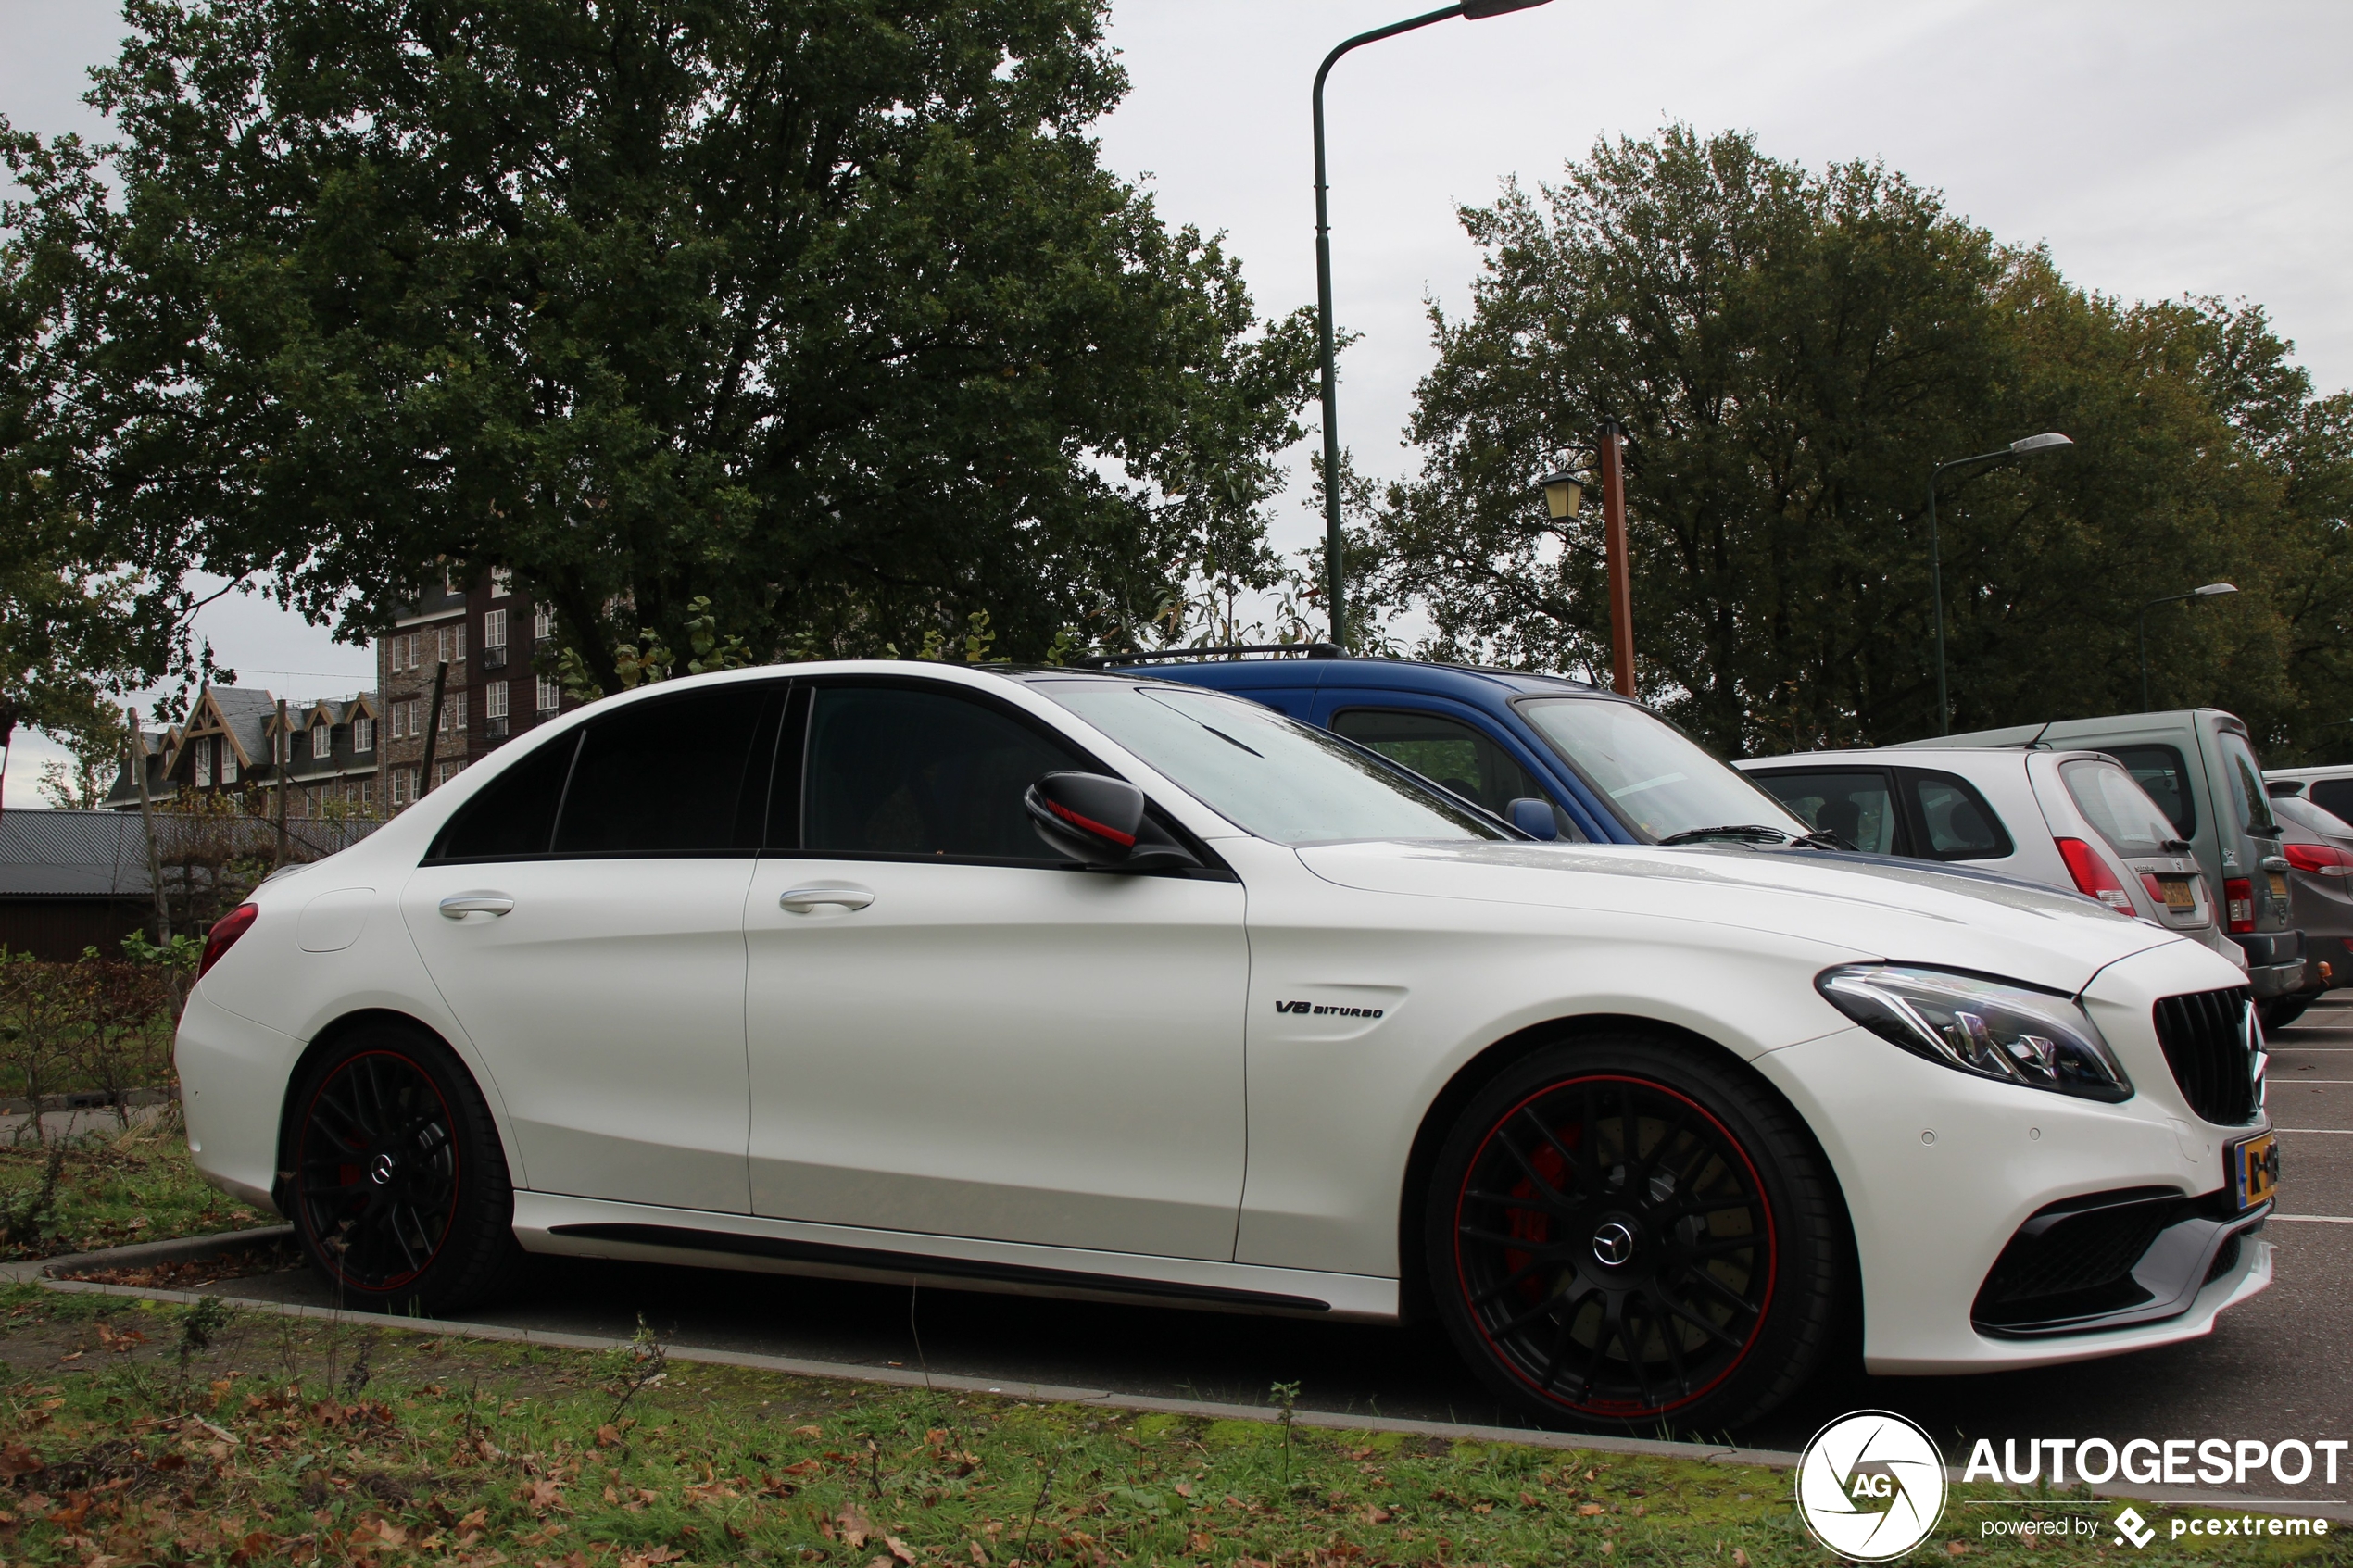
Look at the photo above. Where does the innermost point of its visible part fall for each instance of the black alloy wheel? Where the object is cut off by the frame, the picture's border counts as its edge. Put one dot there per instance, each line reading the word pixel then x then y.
pixel 1628 1233
pixel 399 1190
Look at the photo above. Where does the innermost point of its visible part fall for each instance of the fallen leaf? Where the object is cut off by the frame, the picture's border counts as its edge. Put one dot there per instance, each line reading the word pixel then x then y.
pixel 18 1460
pixel 540 1496
pixel 978 1555
pixel 856 1529
pixel 1740 1558
pixel 809 1431
pixel 393 1535
pixel 1377 1515
pixel 1184 1489
pixel 1588 1509
pixel 75 1357
pixel 900 1549
pixel 475 1520
pixel 1955 1548
pixel 607 1437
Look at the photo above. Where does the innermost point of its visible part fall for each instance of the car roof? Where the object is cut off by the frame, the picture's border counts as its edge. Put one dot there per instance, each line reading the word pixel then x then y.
pixel 1467 681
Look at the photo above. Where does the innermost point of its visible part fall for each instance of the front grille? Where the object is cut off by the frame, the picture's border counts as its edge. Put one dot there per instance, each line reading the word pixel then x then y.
pixel 2208 1036
pixel 2075 1259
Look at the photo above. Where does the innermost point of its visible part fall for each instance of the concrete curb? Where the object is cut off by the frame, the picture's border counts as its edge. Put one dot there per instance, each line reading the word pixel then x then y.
pixel 147 1254
pixel 1047 1393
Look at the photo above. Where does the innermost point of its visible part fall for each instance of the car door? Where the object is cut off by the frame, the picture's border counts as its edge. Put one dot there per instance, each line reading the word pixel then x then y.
pixel 1456 754
pixel 583 917
pixel 951 1032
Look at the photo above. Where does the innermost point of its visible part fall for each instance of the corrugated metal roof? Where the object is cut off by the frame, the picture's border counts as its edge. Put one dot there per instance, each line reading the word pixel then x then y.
pixel 104 854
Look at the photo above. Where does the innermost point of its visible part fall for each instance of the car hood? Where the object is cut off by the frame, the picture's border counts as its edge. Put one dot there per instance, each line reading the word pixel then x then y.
pixel 1901 912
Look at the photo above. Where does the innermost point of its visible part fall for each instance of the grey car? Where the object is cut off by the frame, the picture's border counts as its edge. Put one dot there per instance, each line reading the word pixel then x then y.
pixel 2199 767
pixel 2318 847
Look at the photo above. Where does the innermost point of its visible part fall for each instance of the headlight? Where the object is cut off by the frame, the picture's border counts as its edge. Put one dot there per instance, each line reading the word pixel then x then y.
pixel 1986 1028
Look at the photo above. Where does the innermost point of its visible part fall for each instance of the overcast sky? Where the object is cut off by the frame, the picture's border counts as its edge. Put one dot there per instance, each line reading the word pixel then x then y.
pixel 2157 147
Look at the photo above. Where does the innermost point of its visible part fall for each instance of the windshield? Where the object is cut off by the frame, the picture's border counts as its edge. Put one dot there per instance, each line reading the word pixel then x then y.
pixel 1266 775
pixel 2311 818
pixel 1660 782
pixel 2118 809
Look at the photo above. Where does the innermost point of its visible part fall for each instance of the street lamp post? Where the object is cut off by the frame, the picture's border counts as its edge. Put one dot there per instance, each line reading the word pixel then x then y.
pixel 1469 10
pixel 2025 447
pixel 2211 590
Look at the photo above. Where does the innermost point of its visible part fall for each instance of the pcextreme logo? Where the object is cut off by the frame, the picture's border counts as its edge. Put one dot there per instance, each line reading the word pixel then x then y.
pixel 1870 1485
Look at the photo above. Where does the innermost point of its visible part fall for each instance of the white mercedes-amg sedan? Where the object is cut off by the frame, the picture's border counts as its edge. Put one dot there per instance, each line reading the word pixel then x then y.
pixel 1094 984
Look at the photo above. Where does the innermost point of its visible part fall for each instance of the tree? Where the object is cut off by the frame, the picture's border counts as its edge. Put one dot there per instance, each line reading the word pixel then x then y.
pixel 1792 354
pixel 825 312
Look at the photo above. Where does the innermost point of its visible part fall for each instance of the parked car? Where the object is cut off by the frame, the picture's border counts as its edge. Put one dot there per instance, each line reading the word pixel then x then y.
pixel 2318 847
pixel 2329 788
pixel 2072 819
pixel 1612 770
pixel 1098 985
pixel 2199 767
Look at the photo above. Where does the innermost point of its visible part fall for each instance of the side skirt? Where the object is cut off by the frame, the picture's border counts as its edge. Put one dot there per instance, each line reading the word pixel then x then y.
pixel 554 1223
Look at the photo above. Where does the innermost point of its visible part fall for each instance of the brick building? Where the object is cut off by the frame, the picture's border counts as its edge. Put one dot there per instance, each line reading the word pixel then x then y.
pixel 490 634
pixel 232 743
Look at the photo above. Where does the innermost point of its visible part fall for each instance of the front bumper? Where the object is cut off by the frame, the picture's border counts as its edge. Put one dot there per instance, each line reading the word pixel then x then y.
pixel 1940 1169
pixel 2274 962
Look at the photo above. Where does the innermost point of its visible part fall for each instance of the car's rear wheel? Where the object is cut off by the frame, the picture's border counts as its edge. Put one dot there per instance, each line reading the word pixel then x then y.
pixel 400 1189
pixel 1627 1232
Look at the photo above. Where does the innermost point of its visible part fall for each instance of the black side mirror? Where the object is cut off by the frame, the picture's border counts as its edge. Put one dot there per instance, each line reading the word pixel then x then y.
pixel 1100 822
pixel 1533 816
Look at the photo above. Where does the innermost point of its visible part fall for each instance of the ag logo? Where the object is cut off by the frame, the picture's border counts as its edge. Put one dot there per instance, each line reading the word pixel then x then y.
pixel 1870 1485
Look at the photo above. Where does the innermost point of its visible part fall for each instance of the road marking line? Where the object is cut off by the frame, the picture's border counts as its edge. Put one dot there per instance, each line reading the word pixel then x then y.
pixel 2316 1219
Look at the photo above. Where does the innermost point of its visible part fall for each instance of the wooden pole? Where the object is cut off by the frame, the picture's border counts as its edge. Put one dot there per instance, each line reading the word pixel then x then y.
pixel 432 728
pixel 1621 587
pixel 284 761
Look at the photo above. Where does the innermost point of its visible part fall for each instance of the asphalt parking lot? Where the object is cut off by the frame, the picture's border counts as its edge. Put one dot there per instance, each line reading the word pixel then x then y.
pixel 2278 1366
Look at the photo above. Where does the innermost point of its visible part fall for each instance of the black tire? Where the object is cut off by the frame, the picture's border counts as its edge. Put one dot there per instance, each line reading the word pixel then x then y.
pixel 1694 1285
pixel 2280 1011
pixel 398 1187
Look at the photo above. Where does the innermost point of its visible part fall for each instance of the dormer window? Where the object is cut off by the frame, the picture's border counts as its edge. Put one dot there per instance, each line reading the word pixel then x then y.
pixel 322 742
pixel 363 734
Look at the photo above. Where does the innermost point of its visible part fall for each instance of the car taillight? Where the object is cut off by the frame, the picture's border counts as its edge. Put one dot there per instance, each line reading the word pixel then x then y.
pixel 2238 904
pixel 224 936
pixel 2321 859
pixel 2093 879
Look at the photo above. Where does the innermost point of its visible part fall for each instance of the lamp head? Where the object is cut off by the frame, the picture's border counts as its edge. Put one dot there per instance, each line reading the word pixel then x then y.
pixel 2049 440
pixel 2214 590
pixel 1563 493
pixel 1480 10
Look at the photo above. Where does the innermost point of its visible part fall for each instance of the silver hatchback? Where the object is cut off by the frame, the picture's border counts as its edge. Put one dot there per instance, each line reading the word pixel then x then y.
pixel 2072 819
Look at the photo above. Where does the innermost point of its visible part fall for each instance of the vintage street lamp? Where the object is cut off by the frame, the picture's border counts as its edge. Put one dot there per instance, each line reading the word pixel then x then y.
pixel 1563 494
pixel 1469 10
pixel 2211 590
pixel 2025 447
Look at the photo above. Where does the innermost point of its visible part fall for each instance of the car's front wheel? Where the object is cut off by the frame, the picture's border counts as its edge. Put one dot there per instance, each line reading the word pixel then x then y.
pixel 399 1188
pixel 1625 1232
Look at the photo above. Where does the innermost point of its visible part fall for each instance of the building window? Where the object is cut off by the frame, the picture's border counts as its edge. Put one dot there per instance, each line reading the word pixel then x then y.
pixel 543 623
pixel 443 772
pixel 494 629
pixel 502 583
pixel 367 792
pixel 204 762
pixel 453 643
pixel 399 717
pixel 228 762
pixel 322 742
pixel 363 734
pixel 551 695
pixel 453 711
pixel 493 700
pixel 400 787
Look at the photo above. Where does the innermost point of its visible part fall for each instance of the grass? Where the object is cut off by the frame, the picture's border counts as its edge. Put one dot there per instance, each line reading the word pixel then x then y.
pixel 136 1432
pixel 115 1187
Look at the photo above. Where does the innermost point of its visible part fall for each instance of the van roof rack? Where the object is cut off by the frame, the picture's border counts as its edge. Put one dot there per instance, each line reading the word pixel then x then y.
pixel 1309 650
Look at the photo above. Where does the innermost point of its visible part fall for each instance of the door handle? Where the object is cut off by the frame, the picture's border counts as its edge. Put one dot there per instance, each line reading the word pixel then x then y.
pixel 800 900
pixel 458 906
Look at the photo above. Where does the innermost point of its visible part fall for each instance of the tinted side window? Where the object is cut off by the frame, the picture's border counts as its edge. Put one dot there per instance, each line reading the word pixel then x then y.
pixel 1958 822
pixel 897 771
pixel 515 813
pixel 2333 795
pixel 672 775
pixel 2254 805
pixel 1858 805
pixel 1450 751
pixel 2160 770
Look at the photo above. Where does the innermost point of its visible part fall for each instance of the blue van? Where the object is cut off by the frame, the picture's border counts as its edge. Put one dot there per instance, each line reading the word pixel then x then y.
pixel 1610 769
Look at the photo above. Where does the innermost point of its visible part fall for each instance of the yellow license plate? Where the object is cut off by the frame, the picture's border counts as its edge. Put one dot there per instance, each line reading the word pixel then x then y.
pixel 2254 1165
pixel 2177 892
pixel 2279 884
